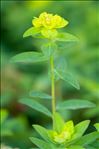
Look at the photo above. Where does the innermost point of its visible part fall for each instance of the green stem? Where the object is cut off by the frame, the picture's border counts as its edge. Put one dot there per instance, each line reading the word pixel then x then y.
pixel 52 86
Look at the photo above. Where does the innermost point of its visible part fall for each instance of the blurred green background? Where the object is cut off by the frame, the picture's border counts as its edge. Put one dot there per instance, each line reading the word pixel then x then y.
pixel 18 80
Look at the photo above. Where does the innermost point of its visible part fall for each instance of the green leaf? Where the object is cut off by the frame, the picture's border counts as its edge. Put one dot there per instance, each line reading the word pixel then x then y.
pixel 58 122
pixel 36 106
pixel 75 104
pixel 66 37
pixel 40 143
pixel 31 32
pixel 42 131
pixel 28 57
pixel 49 49
pixel 60 64
pixel 87 139
pixel 39 94
pixel 80 128
pixel 76 147
pixel 68 77
pixel 97 126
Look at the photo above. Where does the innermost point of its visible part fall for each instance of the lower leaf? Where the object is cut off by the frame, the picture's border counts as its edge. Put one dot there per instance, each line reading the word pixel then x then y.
pixel 41 144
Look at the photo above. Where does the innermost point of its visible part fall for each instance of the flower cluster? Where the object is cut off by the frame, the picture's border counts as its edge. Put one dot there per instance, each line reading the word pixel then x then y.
pixel 66 133
pixel 49 23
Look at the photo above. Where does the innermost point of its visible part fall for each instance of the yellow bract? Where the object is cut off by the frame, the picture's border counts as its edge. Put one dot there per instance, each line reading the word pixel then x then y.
pixel 66 133
pixel 49 21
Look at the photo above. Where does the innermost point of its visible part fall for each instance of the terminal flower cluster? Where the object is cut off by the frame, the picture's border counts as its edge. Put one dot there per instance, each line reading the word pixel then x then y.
pixel 49 23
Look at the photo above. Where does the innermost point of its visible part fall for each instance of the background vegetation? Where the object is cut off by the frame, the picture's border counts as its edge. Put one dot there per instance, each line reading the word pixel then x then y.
pixel 17 80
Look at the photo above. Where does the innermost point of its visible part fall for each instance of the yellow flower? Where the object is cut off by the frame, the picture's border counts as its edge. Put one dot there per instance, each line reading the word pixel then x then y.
pixel 59 21
pixel 36 22
pixel 66 133
pixel 49 23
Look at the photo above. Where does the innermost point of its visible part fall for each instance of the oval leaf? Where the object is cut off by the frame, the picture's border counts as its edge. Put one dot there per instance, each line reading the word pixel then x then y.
pixel 39 94
pixel 68 77
pixel 36 106
pixel 80 128
pixel 89 138
pixel 31 32
pixel 75 104
pixel 66 37
pixel 40 143
pixel 42 131
pixel 28 57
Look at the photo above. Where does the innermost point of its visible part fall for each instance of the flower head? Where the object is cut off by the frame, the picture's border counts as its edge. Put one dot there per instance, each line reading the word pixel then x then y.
pixel 49 23
pixel 65 134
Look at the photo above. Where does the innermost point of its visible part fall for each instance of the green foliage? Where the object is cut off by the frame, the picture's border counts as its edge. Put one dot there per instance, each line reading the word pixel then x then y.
pixel 41 144
pixel 88 139
pixel 76 147
pixel 68 77
pixel 64 135
pixel 39 94
pixel 49 49
pixel 29 57
pixel 42 132
pixel 97 126
pixel 31 32
pixel 77 141
pixel 75 104
pixel 66 37
pixel 80 128
pixel 58 122
pixel 36 105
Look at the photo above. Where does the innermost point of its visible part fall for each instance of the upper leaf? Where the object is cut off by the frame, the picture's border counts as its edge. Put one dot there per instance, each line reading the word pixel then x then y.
pixel 39 94
pixel 28 57
pixel 66 37
pixel 31 32
pixel 35 105
pixel 68 77
pixel 75 104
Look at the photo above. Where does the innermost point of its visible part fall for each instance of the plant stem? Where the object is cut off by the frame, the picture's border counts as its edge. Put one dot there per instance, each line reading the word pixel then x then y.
pixel 52 86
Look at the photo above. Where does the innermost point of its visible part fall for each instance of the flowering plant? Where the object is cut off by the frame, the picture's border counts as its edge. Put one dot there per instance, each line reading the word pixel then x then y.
pixel 63 135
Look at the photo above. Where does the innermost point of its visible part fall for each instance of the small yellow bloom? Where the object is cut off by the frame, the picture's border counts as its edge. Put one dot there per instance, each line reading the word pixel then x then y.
pixel 59 21
pixel 66 133
pixel 36 22
pixel 49 21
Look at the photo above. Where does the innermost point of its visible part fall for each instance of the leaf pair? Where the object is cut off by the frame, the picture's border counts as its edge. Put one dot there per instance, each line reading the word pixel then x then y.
pixel 62 37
